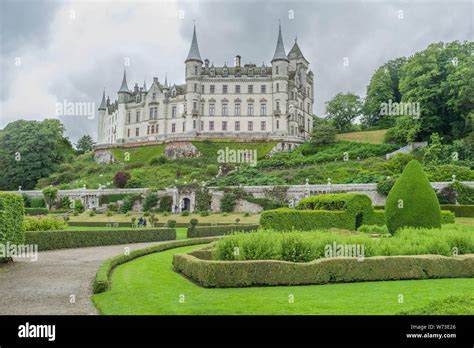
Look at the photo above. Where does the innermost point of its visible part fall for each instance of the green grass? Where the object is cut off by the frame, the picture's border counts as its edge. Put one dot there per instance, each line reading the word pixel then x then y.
pixel 148 285
pixel 138 154
pixel 181 233
pixel 371 137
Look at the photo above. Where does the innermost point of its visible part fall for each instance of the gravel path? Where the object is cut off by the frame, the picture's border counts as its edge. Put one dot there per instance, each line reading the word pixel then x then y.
pixel 46 286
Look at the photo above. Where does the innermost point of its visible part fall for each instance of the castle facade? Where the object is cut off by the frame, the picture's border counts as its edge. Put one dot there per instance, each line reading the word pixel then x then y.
pixel 243 101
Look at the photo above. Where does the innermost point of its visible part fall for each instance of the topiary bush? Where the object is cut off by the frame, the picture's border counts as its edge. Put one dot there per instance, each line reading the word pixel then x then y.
pixel 412 202
pixel 12 214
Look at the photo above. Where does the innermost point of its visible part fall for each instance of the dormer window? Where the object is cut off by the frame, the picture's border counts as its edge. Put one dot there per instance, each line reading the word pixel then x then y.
pixel 213 72
pixel 263 71
pixel 173 93
pixel 250 71
pixel 225 72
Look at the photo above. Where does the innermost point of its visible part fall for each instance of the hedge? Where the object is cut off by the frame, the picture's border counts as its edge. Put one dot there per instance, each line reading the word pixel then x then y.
pixel 459 210
pixel 412 201
pixel 129 224
pixel 36 211
pixel 49 240
pixel 209 273
pixel 102 281
pixel 211 231
pixel 112 198
pixel 286 219
pixel 11 219
pixel 305 220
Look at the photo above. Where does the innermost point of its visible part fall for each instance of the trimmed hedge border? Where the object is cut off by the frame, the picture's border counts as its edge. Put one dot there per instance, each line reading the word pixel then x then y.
pixel 129 224
pixel 36 211
pixel 51 240
pixel 460 210
pixel 102 278
pixel 224 274
pixel 211 231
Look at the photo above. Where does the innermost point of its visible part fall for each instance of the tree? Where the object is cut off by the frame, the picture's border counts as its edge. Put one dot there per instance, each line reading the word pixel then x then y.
pixel 343 109
pixel 439 78
pixel 382 88
pixel 412 202
pixel 85 144
pixel 31 150
pixel 323 133
pixel 405 131
pixel 50 195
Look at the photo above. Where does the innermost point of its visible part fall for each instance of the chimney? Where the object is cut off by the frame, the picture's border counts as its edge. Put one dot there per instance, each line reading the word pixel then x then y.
pixel 206 63
pixel 237 61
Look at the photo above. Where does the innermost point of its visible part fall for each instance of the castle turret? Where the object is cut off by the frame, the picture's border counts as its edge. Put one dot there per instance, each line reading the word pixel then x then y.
pixel 193 81
pixel 280 82
pixel 123 92
pixel 102 110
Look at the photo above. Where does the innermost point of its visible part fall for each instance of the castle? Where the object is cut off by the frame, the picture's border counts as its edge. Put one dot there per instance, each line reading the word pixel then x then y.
pixel 244 102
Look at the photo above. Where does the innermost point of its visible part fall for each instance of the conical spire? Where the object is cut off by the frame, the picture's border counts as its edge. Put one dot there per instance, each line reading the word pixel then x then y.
pixel 124 87
pixel 280 48
pixel 102 103
pixel 295 51
pixel 194 50
pixel 166 80
pixel 144 86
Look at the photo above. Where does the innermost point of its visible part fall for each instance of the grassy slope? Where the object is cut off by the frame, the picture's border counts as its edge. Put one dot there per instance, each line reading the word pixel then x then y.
pixel 372 137
pixel 159 291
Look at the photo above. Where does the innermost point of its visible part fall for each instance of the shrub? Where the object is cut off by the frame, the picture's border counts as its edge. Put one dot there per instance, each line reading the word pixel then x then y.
pixel 50 240
pixel 296 248
pixel 26 200
pixel 171 223
pixel 65 203
pixel 43 224
pixel 447 195
pixel 92 213
pixel 112 198
pixel 228 202
pixel 151 199
pixel 185 213
pixel 50 194
pixel 77 206
pixel 459 210
pixel 305 220
pixel 212 170
pixel 121 179
pixel 158 160
pixel 134 182
pixel 109 213
pixel 412 201
pixel 204 213
pixel 36 211
pixel 384 186
pixel 127 204
pixel 203 200
pixel 464 193
pixel 193 222
pixel 211 231
pixel 237 220
pixel 376 229
pixel 38 203
pixel 11 219
pixel 165 203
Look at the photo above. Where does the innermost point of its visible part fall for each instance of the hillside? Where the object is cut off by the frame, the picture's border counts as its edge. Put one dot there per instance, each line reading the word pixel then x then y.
pixel 371 137
pixel 343 162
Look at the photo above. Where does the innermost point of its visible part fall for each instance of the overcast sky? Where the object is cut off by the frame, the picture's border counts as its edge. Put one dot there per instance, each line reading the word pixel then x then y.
pixel 55 52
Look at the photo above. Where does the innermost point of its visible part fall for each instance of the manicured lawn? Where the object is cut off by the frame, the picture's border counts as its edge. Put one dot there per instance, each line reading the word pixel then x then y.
pixel 212 218
pixel 148 285
pixel 372 137
pixel 465 221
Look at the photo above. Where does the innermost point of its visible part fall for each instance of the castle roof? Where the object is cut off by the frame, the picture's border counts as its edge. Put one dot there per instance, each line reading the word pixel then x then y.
pixel 194 50
pixel 102 103
pixel 280 48
pixel 296 53
pixel 124 87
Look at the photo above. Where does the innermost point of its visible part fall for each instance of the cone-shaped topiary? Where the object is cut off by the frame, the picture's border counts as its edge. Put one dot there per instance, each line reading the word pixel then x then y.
pixel 412 202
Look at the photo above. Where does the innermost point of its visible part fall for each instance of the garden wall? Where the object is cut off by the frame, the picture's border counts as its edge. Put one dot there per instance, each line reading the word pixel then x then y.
pixel 209 273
